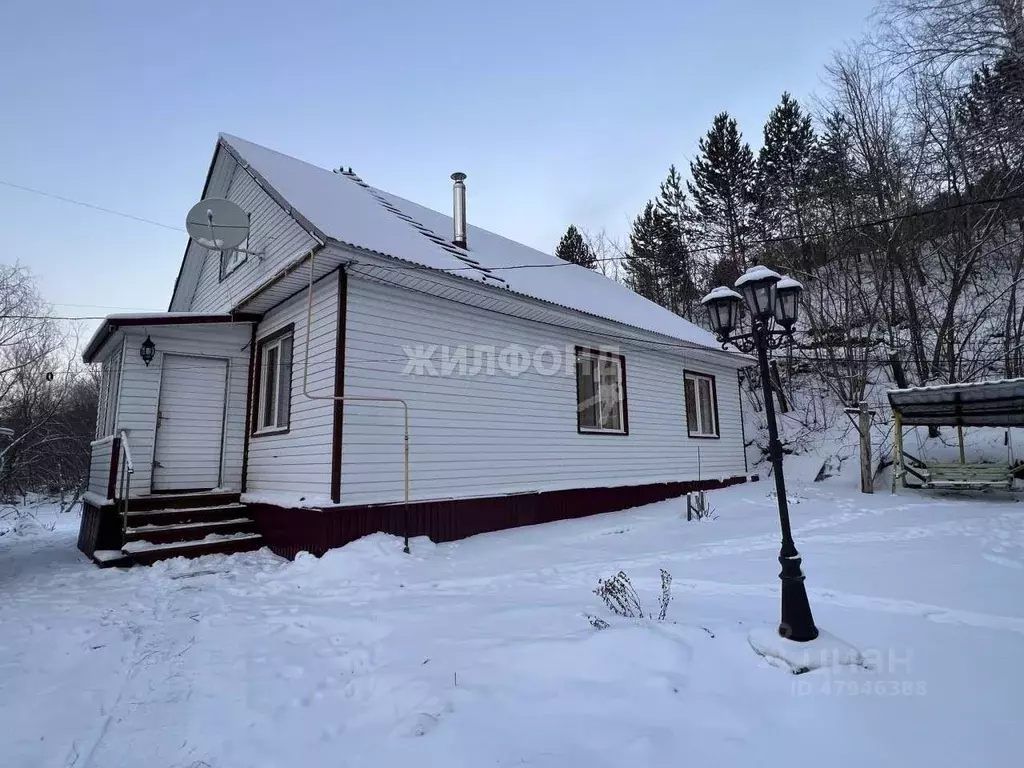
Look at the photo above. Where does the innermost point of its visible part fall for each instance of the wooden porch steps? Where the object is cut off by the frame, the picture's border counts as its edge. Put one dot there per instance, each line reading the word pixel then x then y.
pixel 182 525
pixel 147 553
pixel 184 515
pixel 111 558
pixel 167 501
pixel 165 534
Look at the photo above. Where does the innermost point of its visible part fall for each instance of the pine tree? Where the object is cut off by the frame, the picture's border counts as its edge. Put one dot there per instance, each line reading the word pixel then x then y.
pixel 676 265
pixel 783 182
pixel 992 113
pixel 722 191
pixel 642 261
pixel 832 172
pixel 573 248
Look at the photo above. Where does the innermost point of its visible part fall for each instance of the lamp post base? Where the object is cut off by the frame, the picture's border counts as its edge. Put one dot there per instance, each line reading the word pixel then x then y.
pixel 825 651
pixel 797 622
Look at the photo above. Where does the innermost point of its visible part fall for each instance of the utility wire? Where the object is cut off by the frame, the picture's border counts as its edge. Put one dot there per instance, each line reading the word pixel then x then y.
pixel 664 344
pixel 761 241
pixel 92 206
pixel 373 364
pixel 52 317
pixel 698 249
pixel 100 306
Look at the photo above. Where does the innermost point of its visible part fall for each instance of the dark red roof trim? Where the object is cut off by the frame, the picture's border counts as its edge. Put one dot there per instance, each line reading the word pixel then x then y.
pixel 113 323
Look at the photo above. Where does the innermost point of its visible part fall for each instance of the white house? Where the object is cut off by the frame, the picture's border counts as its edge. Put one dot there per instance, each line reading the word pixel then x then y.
pixel 532 389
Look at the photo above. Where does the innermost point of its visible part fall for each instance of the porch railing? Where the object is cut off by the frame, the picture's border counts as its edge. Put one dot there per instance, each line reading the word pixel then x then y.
pixel 125 452
pixel 110 471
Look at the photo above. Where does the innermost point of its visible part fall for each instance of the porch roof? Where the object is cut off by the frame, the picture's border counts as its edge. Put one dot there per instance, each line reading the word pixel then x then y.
pixel 113 322
pixel 998 403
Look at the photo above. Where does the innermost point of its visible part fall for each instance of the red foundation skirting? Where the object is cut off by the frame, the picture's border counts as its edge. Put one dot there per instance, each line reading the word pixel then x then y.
pixel 290 531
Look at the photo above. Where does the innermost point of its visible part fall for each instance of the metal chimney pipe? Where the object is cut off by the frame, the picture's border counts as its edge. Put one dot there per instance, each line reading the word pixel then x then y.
pixel 459 209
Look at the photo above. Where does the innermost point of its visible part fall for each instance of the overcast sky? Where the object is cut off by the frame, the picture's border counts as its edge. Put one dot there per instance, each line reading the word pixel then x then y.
pixel 559 111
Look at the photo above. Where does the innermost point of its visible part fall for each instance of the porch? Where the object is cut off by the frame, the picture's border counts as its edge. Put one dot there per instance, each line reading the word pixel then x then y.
pixel 142 531
pixel 168 463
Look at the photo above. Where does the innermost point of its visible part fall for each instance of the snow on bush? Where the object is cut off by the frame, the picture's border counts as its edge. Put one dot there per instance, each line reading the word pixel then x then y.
pixel 33 516
pixel 621 598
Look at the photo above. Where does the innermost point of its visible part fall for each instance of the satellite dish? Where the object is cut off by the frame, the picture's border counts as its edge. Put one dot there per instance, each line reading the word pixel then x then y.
pixel 217 224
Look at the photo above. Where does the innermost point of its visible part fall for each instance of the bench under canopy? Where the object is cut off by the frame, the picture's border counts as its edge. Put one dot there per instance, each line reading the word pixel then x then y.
pixel 997 403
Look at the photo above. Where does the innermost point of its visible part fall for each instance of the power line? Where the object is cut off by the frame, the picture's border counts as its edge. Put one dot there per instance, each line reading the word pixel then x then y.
pixel 697 249
pixel 760 241
pixel 91 206
pixel 101 306
pixel 665 344
pixel 52 317
pixel 369 364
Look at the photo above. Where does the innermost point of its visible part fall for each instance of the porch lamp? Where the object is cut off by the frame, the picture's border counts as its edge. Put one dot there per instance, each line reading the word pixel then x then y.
pixel 773 304
pixel 147 351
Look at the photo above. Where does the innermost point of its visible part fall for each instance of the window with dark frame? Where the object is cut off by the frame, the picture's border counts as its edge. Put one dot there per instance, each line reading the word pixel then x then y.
pixel 273 404
pixel 701 405
pixel 601 392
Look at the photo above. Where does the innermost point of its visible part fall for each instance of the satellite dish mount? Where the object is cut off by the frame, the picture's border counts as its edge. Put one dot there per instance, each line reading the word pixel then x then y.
pixel 219 225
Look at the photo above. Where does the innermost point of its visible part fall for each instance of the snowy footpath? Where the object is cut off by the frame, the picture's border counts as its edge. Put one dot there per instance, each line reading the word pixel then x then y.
pixel 479 653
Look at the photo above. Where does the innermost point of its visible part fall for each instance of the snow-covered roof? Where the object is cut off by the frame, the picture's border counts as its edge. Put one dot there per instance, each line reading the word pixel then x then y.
pixel 164 318
pixel 995 403
pixel 342 207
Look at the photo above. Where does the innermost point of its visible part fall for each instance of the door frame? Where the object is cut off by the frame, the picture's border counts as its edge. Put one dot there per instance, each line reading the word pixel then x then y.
pixel 223 422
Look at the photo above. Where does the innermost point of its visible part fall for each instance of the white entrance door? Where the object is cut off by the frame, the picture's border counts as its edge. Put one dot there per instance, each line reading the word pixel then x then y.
pixel 189 423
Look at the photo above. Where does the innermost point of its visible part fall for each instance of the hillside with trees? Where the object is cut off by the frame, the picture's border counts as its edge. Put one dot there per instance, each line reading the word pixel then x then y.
pixel 896 196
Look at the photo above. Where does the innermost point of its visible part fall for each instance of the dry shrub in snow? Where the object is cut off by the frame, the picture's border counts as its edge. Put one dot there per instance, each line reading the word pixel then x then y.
pixel 666 594
pixel 27 518
pixel 699 508
pixel 621 598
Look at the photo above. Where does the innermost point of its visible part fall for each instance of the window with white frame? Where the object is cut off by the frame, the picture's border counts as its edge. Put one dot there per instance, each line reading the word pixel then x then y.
pixel 601 392
pixel 230 261
pixel 110 381
pixel 233 259
pixel 701 405
pixel 274 395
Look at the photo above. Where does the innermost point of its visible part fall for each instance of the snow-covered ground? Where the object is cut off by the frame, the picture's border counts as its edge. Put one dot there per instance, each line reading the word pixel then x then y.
pixel 478 653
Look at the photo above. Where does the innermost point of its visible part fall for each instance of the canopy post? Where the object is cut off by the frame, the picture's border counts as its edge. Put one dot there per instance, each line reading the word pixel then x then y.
pixel 959 410
pixel 867 483
pixel 897 468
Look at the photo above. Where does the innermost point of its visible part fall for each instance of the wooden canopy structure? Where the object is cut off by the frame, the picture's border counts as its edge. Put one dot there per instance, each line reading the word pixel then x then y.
pixel 982 404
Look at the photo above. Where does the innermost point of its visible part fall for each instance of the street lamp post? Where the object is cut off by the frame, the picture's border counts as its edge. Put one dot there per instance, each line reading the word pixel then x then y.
pixel 771 301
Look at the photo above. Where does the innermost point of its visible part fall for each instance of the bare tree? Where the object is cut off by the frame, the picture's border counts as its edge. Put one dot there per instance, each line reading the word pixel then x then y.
pixel 951 35
pixel 26 327
pixel 608 252
pixel 886 168
pixel 47 400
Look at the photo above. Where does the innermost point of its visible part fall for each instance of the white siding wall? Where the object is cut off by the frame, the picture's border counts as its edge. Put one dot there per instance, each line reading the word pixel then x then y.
pixel 140 390
pixel 494 434
pixel 298 463
pixel 272 231
pixel 101 454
